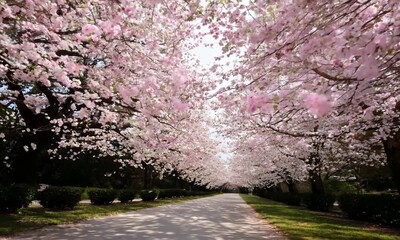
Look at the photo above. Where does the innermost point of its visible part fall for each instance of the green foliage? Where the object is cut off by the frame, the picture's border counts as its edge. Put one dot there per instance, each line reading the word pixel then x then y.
pixel 15 196
pixel 148 195
pixel 170 193
pixel 198 193
pixel 126 195
pixel 318 202
pixel 384 208
pixel 102 196
pixel 284 197
pixel 85 195
pixel 61 198
pixel 336 188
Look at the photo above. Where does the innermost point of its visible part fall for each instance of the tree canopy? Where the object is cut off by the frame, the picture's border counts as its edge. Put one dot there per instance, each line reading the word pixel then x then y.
pixel 303 90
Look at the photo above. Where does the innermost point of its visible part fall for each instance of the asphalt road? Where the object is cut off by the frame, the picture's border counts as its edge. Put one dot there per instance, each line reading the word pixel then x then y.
pixel 220 217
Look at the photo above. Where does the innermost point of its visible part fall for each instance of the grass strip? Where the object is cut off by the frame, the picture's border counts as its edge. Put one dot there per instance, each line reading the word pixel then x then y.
pixel 297 223
pixel 37 217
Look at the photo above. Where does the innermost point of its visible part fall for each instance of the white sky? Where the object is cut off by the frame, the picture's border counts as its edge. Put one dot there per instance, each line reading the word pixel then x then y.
pixel 206 56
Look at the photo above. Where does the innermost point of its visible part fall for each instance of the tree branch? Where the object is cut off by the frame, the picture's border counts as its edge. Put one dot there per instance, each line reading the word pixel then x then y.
pixel 327 76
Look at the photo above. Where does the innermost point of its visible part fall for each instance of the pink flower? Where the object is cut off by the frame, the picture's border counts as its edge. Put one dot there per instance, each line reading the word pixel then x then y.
pixel 72 68
pixel 369 69
pixel 179 105
pixel 255 102
pixel 317 104
pixel 90 29
pixel 110 29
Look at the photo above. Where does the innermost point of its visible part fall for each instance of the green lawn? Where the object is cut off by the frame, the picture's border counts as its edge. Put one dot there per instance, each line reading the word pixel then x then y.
pixel 37 217
pixel 297 223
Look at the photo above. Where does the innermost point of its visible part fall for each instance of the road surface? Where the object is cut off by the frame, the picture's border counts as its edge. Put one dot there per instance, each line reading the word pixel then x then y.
pixel 220 217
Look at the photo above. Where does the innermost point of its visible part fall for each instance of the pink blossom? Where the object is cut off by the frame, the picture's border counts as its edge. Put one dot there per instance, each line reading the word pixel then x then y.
pixel 369 69
pixel 72 68
pixel 179 105
pixel 255 102
pixel 6 12
pixel 90 29
pixel 317 104
pixel 83 113
pixel 112 30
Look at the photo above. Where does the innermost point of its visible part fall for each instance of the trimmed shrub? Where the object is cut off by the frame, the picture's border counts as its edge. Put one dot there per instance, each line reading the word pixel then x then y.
pixel 383 209
pixel 16 196
pixel 60 198
pixel 197 193
pixel 126 195
pixel 102 196
pixel 284 197
pixel 148 195
pixel 171 193
pixel 292 199
pixel 318 202
pixel 337 188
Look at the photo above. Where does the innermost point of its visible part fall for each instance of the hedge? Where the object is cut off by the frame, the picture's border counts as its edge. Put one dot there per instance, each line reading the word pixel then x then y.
pixel 171 193
pixel 61 198
pixel 126 195
pixel 383 209
pixel 287 198
pixel 15 197
pixel 197 193
pixel 102 196
pixel 148 195
pixel 318 202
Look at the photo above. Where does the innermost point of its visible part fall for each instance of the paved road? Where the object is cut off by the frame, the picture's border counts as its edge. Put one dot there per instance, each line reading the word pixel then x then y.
pixel 219 217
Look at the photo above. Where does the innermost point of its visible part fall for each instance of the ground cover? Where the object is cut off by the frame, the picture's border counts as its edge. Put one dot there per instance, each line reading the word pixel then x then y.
pixel 297 223
pixel 37 217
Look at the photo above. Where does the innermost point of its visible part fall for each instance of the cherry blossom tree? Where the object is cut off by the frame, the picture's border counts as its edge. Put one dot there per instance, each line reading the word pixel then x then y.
pixel 309 89
pixel 102 77
pixel 335 61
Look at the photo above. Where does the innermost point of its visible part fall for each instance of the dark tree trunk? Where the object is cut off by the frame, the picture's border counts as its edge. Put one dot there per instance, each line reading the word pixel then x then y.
pixel 27 166
pixel 145 176
pixel 151 174
pixel 148 177
pixel 292 186
pixel 317 185
pixel 314 173
pixel 392 150
pixel 277 188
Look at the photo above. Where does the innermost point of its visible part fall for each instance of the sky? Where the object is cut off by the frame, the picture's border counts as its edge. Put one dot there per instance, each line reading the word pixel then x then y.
pixel 206 56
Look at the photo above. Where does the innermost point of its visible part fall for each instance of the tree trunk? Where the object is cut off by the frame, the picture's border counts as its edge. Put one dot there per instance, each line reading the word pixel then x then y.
pixel 151 182
pixel 145 176
pixel 27 166
pixel 317 185
pixel 392 150
pixel 292 186
pixel 277 188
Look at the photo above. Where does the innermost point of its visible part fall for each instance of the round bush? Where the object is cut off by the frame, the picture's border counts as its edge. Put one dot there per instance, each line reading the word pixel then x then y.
pixel 292 199
pixel 319 202
pixel 148 196
pixel 15 197
pixel 383 209
pixel 197 193
pixel 126 195
pixel 170 193
pixel 61 198
pixel 102 196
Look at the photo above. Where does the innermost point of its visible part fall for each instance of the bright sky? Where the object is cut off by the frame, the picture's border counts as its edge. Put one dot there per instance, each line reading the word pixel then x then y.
pixel 206 56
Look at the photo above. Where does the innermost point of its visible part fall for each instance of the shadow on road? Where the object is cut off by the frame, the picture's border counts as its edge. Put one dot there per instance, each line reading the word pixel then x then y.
pixel 224 216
